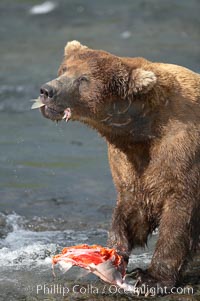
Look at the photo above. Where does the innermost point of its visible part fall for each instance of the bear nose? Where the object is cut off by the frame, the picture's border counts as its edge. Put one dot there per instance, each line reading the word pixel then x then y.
pixel 47 91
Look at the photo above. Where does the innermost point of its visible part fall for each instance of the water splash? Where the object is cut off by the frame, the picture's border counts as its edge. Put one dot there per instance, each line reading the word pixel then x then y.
pixel 22 247
pixel 25 248
pixel 43 8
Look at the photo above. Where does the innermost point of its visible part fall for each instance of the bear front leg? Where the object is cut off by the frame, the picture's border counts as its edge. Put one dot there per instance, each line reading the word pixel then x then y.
pixel 172 250
pixel 130 227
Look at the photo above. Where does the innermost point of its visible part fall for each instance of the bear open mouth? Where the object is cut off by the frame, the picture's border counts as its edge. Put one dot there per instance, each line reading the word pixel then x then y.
pixel 55 115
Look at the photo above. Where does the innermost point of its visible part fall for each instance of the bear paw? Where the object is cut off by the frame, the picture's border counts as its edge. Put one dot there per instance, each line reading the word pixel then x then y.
pixel 147 285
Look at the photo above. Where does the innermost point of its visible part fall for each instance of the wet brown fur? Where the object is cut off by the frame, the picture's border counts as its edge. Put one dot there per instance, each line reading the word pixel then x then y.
pixel 154 159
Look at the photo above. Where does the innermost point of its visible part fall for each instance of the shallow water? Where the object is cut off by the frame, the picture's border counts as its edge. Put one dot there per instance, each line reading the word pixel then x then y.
pixel 55 184
pixel 26 248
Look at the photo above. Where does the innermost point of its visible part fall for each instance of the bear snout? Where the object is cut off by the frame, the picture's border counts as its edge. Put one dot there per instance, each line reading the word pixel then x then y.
pixel 47 91
pixel 52 109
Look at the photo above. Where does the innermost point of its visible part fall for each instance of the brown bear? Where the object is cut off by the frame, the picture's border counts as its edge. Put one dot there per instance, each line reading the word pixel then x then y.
pixel 149 114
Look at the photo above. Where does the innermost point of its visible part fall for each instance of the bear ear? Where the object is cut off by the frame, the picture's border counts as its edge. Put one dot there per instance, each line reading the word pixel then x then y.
pixel 141 81
pixel 73 46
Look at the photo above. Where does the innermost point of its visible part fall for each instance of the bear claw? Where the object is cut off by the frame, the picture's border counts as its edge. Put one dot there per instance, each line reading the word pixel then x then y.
pixel 147 285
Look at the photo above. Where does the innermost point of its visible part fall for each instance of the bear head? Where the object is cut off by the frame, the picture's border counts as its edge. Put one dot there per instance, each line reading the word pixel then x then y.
pixel 99 89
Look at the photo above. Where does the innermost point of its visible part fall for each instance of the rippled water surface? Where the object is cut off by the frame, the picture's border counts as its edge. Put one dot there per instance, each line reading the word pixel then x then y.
pixel 55 184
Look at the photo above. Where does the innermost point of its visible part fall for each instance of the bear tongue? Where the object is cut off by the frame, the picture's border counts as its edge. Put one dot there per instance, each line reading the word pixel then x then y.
pixel 67 114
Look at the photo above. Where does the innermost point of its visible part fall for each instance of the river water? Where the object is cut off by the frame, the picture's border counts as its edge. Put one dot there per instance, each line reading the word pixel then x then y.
pixel 56 187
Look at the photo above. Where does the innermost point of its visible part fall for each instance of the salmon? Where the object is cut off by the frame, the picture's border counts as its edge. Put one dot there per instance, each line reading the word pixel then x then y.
pixel 103 262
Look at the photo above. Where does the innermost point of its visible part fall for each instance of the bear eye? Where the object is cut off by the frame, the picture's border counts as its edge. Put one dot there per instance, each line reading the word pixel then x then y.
pixel 64 69
pixel 83 78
